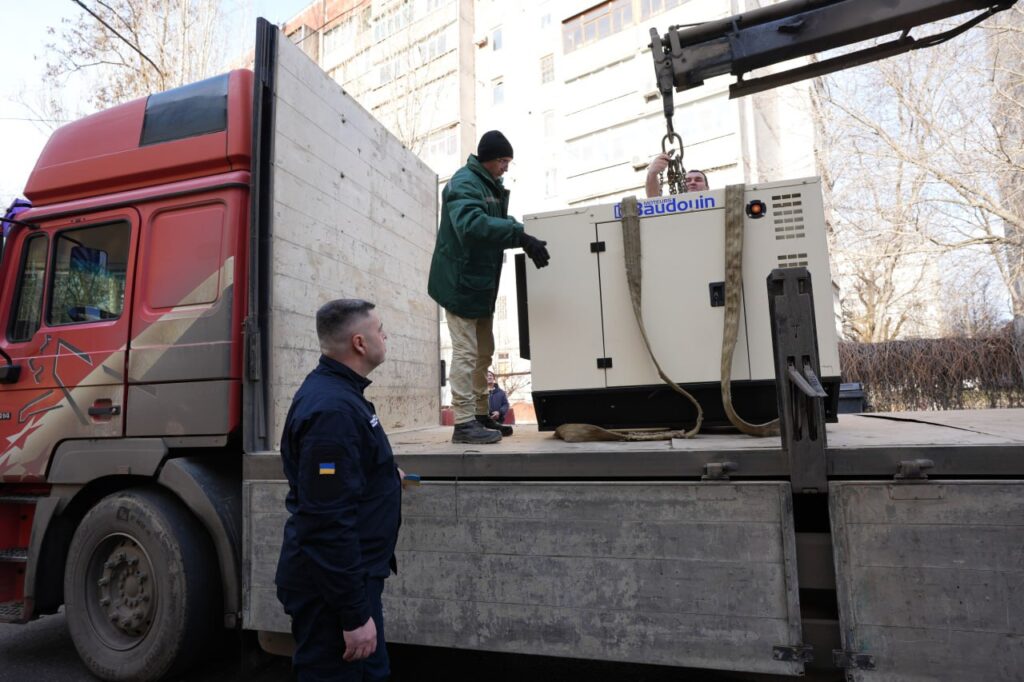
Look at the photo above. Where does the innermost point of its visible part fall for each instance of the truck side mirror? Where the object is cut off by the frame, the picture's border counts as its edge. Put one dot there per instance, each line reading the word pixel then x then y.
pixel 10 372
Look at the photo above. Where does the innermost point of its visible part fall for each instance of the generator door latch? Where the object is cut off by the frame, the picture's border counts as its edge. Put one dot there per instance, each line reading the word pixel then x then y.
pixel 596 247
pixel 604 363
pixel 717 291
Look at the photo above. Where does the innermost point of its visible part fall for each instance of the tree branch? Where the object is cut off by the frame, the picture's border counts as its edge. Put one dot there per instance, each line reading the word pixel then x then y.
pixel 127 42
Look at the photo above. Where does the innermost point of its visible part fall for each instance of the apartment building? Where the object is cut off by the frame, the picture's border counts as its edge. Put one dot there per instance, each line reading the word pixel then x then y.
pixel 409 62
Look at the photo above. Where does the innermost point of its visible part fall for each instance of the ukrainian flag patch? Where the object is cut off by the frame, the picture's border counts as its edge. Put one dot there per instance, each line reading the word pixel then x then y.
pixel 326 468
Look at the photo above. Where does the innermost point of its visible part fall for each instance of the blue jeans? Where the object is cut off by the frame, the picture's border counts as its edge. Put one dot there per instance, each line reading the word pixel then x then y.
pixel 319 642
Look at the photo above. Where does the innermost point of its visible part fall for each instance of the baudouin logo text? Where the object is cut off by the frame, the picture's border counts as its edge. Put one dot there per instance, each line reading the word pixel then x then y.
pixel 668 205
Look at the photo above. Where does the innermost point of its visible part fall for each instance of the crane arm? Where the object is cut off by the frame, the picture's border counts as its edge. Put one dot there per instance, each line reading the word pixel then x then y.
pixel 685 57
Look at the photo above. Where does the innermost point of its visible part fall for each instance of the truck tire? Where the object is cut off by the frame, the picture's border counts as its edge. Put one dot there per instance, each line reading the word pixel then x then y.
pixel 141 587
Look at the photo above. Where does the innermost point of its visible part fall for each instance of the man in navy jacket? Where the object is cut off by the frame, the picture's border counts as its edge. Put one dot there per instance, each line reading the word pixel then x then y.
pixel 345 498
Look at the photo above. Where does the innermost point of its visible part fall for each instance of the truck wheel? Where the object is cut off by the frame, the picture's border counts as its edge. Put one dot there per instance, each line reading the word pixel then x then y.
pixel 141 587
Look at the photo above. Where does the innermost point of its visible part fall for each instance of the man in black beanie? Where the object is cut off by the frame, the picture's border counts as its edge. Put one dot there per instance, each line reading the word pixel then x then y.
pixel 475 230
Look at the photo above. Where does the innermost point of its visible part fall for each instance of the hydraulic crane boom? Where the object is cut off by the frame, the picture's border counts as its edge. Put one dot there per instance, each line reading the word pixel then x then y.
pixel 685 57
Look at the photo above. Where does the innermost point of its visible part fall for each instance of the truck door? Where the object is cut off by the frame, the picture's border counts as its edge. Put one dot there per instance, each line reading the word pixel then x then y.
pixel 67 329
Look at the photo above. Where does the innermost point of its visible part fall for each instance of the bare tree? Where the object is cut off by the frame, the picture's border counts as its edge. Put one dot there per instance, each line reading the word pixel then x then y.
pixel 132 48
pixel 873 214
pixel 407 87
pixel 513 382
pixel 929 145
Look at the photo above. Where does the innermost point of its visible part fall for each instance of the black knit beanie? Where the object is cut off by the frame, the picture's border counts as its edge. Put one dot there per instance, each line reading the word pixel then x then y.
pixel 493 145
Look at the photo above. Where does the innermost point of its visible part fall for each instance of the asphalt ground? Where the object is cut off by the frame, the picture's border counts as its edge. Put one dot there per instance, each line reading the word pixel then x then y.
pixel 42 651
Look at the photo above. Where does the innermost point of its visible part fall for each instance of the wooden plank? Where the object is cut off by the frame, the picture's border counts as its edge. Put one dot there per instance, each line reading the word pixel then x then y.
pixel 930 578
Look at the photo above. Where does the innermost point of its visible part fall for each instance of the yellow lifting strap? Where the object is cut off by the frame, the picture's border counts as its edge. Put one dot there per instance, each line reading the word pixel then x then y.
pixel 734 196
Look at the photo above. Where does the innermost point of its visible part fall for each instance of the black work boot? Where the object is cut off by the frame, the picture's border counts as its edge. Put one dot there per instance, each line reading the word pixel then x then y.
pixel 474 433
pixel 489 423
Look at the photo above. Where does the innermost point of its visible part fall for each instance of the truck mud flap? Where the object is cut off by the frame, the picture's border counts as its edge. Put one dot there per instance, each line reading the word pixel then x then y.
pixel 930 579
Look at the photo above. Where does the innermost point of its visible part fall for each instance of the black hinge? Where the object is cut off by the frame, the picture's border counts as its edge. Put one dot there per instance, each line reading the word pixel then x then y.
pixel 852 660
pixel 718 471
pixel 604 363
pixel 596 247
pixel 913 469
pixel 252 339
pixel 796 653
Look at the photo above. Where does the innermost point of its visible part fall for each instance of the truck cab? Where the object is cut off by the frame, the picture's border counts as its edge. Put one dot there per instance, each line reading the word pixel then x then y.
pixel 122 329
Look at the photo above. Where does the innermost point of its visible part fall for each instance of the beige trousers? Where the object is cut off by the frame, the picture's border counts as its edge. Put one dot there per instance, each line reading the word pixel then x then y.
pixel 472 348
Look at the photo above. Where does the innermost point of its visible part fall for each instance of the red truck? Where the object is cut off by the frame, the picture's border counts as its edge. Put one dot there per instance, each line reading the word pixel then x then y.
pixel 136 294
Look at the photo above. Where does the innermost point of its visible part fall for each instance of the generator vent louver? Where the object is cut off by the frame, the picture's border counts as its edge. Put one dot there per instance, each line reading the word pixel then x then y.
pixel 793 260
pixel 788 216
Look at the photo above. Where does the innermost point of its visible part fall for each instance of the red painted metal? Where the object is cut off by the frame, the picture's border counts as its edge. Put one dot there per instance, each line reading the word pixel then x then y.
pixel 93 172
pixel 100 154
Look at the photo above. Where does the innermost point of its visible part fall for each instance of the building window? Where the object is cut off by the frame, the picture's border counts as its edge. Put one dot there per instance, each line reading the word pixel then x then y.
pixel 549 123
pixel 392 22
pixel 340 36
pixel 501 308
pixel 547 68
pixel 596 23
pixel 496 39
pixel 499 92
pixel 545 20
pixel 649 8
pixel 550 182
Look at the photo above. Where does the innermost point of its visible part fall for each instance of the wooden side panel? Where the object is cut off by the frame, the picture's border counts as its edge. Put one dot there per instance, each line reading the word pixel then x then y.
pixel 683 574
pixel 355 214
pixel 930 578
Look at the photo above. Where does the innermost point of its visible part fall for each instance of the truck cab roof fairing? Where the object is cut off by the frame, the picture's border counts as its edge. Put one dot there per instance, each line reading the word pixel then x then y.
pixel 194 131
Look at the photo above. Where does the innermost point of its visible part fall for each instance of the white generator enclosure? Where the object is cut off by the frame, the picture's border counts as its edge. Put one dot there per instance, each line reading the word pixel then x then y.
pixel 588 358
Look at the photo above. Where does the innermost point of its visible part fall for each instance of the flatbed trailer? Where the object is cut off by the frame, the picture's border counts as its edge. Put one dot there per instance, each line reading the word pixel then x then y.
pixel 697 553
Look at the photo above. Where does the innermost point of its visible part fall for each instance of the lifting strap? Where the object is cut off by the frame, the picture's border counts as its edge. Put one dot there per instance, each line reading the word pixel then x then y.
pixel 632 249
pixel 734 195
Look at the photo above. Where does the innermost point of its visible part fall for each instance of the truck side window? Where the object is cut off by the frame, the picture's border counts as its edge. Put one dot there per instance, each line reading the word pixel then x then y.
pixel 89 266
pixel 28 302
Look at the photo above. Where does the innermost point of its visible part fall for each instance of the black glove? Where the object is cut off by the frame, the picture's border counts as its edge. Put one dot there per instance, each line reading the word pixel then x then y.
pixel 535 249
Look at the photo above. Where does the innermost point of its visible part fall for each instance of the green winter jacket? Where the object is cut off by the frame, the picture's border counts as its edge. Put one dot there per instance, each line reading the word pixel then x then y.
pixel 475 230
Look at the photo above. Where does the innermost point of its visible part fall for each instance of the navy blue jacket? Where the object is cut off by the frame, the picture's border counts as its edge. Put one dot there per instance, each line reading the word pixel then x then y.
pixel 497 401
pixel 344 493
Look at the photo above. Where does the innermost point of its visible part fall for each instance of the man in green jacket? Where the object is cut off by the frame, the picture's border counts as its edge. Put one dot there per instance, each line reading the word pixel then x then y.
pixel 475 230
